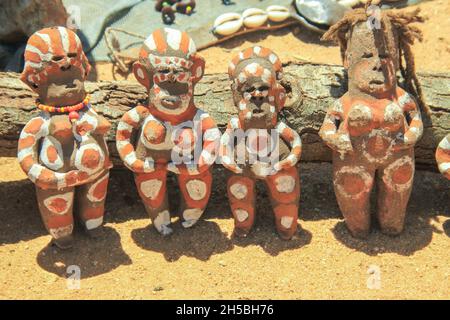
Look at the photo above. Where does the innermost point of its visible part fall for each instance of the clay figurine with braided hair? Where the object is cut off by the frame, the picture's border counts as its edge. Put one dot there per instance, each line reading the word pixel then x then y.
pixel 63 150
pixel 373 128
pixel 258 146
pixel 169 133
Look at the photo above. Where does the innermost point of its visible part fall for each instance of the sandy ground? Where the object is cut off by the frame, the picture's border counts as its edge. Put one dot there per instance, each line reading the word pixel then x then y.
pixel 323 261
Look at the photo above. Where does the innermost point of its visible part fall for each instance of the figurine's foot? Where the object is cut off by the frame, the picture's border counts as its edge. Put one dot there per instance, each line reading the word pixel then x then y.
pixel 162 223
pixel 95 233
pixel 286 234
pixel 64 242
pixel 359 234
pixel 191 217
pixel 391 231
pixel 240 233
pixel 189 223
pixel 165 230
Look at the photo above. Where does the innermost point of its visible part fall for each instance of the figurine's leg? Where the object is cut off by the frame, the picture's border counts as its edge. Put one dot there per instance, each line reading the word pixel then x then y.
pixel 91 203
pixel 241 194
pixel 195 190
pixel 56 208
pixel 395 184
pixel 352 185
pixel 284 193
pixel 153 191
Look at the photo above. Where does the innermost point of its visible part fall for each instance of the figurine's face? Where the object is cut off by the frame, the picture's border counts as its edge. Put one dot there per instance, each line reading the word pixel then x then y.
pixel 64 85
pixel 253 92
pixel 172 88
pixel 372 60
pixel 56 66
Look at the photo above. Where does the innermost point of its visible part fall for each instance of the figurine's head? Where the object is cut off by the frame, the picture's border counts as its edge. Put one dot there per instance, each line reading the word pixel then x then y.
pixel 375 44
pixel 169 68
pixel 255 73
pixel 372 59
pixel 56 66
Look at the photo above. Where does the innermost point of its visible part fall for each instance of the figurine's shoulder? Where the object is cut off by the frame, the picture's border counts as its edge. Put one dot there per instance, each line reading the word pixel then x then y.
pixel 405 99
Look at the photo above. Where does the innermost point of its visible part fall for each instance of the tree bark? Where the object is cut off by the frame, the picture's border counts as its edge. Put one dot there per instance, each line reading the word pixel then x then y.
pixel 311 89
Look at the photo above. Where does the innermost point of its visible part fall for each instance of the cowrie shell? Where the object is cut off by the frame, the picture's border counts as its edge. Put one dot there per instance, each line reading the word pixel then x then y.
pixel 348 3
pixel 277 13
pixel 254 17
pixel 228 23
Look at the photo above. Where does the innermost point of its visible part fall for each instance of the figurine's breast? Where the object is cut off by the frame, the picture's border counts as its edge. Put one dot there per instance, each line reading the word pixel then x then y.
pixel 393 117
pixel 360 119
pixel 154 132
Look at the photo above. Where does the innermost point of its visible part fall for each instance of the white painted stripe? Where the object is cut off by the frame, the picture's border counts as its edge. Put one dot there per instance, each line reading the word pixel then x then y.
pixel 34 172
pixel 22 154
pixel 443 167
pixel 273 58
pixel 64 38
pixel 149 164
pixel 42 56
pixel 280 127
pixel 445 144
pixel 124 126
pixel 134 115
pixel 120 144
pixel 150 43
pixel 33 65
pixel 46 39
pixel 130 158
pixel 192 47
pixel 173 38
pixel 60 180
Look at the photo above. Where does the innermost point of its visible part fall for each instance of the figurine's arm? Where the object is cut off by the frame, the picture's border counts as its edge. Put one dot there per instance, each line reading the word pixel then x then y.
pixel 415 129
pixel 443 156
pixel 226 142
pixel 338 141
pixel 211 136
pixel 27 155
pixel 293 139
pixel 130 121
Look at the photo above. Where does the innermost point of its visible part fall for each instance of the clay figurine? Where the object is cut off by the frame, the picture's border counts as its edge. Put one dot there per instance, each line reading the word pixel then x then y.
pixel 169 125
pixel 443 156
pixel 63 149
pixel 265 148
pixel 373 128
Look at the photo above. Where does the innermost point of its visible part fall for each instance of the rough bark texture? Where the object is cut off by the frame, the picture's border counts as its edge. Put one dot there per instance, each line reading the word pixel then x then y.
pixel 311 88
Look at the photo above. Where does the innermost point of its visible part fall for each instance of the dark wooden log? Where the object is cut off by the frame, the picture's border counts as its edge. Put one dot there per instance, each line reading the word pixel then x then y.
pixel 311 88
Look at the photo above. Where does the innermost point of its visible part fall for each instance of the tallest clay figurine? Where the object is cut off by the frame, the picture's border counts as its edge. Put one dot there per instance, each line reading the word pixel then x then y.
pixel 63 150
pixel 373 128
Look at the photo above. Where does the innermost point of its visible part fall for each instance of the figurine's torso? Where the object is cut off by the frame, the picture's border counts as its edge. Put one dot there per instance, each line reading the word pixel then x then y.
pixel 374 127
pixel 157 138
pixel 81 145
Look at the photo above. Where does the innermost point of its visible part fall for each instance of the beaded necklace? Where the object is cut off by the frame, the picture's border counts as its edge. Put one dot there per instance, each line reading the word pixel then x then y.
pixel 72 110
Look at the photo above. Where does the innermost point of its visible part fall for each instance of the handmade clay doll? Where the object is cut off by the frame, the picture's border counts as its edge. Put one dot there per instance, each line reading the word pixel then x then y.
pixel 259 97
pixel 151 138
pixel 63 150
pixel 443 156
pixel 373 128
